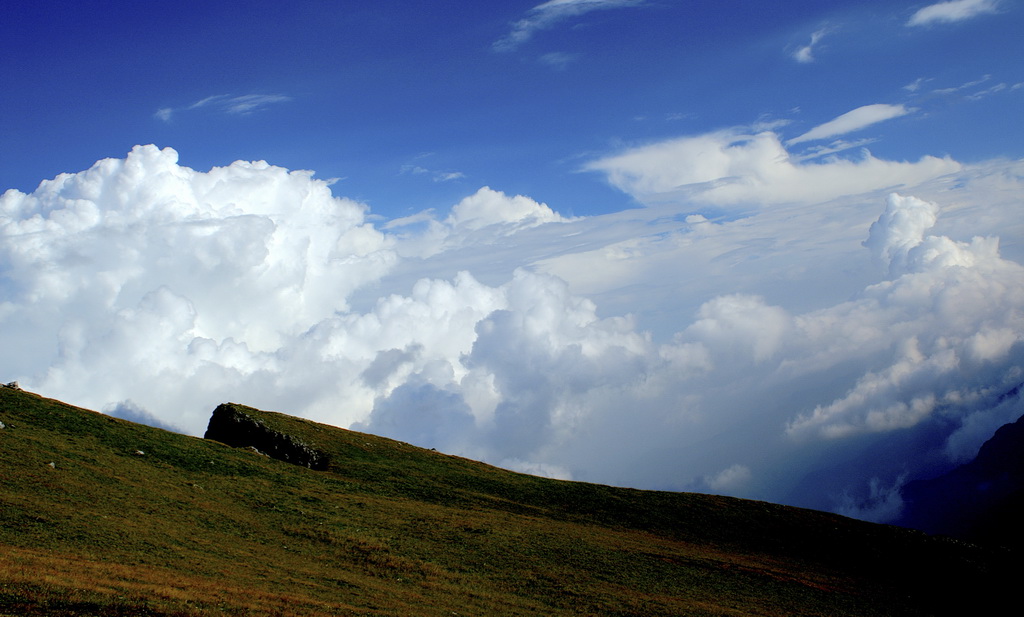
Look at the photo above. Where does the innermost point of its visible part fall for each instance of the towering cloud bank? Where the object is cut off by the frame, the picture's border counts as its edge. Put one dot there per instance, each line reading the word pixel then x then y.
pixel 162 279
pixel 755 358
pixel 946 316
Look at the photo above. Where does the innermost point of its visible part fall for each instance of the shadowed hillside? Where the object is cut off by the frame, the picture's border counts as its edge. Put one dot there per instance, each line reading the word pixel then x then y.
pixel 99 516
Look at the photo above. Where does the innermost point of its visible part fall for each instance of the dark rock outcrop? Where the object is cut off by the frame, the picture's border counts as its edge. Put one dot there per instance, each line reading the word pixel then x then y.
pixel 230 424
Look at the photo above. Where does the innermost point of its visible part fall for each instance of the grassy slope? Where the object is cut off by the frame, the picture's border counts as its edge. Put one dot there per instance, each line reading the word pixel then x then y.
pixel 193 527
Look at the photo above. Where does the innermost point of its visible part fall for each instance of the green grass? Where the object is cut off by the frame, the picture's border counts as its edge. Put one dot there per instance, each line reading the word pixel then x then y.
pixel 193 527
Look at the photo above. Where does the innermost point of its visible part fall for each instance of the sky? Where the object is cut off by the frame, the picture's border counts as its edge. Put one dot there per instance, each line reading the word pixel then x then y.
pixel 771 250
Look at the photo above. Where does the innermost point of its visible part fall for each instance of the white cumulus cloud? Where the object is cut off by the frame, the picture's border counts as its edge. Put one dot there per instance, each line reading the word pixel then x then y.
pixel 937 283
pixel 490 207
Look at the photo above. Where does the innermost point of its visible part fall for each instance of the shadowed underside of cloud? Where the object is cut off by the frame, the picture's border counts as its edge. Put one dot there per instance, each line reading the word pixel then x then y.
pixel 655 348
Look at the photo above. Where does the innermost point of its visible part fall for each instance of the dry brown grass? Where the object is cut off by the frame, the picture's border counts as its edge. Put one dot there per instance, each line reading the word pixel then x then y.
pixel 68 579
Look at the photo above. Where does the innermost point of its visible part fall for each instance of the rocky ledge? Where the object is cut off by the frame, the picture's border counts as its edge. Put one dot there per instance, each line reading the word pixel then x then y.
pixel 231 425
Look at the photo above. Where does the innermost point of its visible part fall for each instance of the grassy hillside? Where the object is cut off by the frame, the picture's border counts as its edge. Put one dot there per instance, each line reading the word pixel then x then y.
pixel 99 516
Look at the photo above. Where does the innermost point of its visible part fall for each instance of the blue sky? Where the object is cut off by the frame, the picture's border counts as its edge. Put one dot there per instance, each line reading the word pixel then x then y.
pixel 771 250
pixel 416 104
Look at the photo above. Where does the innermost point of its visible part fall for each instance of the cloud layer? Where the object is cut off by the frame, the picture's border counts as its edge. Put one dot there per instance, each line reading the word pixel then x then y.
pixel 736 168
pixel 767 354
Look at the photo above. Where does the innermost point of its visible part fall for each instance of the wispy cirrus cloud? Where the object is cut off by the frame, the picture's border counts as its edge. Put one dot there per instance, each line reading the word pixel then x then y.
pixel 226 103
pixel 916 85
pixel 436 176
pixel 988 91
pixel 546 15
pixel 965 86
pixel 419 167
pixel 558 60
pixel 977 95
pixel 854 120
pixel 805 54
pixel 952 11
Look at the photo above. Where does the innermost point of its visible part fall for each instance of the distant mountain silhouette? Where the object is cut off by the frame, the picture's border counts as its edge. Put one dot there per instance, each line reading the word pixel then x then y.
pixel 981 501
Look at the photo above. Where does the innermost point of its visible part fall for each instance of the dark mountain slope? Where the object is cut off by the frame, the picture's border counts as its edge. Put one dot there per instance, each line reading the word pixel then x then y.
pixel 981 501
pixel 99 516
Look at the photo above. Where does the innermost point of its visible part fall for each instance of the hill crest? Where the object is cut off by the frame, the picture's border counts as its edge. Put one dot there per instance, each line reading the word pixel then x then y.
pixel 131 519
